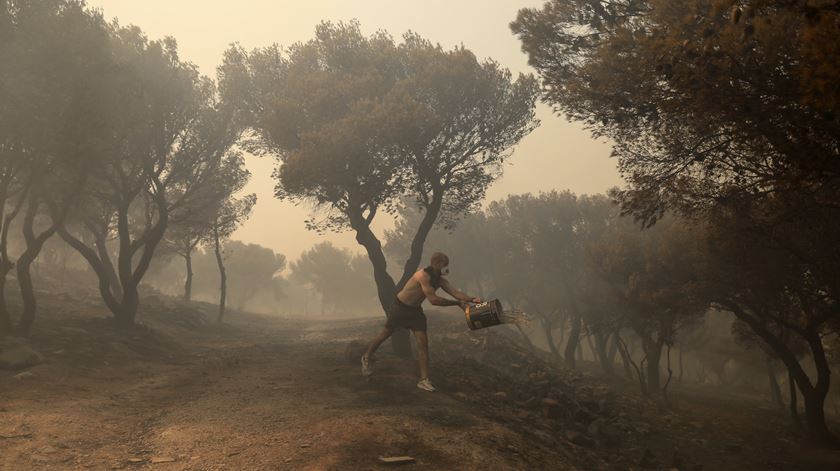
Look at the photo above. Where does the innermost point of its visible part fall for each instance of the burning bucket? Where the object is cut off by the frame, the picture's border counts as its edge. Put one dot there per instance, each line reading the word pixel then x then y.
pixel 486 314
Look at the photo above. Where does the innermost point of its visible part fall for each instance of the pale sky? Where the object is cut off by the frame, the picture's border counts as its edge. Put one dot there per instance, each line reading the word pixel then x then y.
pixel 559 155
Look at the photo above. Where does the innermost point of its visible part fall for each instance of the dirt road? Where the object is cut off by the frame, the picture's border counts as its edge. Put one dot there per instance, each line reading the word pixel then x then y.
pixel 264 393
pixel 279 397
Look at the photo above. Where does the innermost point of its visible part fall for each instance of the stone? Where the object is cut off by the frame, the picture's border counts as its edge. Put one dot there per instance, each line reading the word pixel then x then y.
pixel 648 459
pixel 162 459
pixel 24 375
pixel 500 396
pixel 579 439
pixel 16 354
pixel 733 447
pixel 462 396
pixel 551 409
pixel 396 459
pixel 610 435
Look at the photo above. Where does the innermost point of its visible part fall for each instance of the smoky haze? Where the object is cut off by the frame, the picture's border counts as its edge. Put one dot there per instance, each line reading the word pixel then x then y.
pixel 558 155
pixel 547 234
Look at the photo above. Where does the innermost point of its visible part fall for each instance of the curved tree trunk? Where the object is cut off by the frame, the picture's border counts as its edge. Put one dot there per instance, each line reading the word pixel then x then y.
pixel 653 354
pixel 385 286
pixel 813 394
pixel 188 282
pixel 222 276
pixel 574 339
pixel 34 244
pixel 794 407
pixel 603 356
pixel 775 390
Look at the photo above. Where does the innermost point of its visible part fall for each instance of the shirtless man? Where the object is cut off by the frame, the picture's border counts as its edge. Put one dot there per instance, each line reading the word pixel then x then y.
pixel 406 312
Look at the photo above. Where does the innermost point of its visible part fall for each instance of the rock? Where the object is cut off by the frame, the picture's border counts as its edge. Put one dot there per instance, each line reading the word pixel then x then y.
pixel 595 427
pixel 49 450
pixel 396 459
pixel 500 396
pixel 610 435
pixel 579 439
pixel 551 409
pixel 544 436
pixel 584 417
pixel 462 396
pixel 136 460
pixel 642 429
pixel 648 459
pixel 733 447
pixel 16 354
pixel 529 403
pixel 39 458
pixel 24 375
pixel 162 459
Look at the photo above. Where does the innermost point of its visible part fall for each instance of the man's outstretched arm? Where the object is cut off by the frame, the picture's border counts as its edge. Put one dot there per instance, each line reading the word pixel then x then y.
pixel 458 294
pixel 433 297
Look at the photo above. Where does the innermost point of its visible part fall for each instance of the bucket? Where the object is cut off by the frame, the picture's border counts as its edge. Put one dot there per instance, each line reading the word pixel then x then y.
pixel 486 314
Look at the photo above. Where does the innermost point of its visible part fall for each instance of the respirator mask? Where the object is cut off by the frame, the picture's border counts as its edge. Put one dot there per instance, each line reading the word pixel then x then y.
pixel 444 271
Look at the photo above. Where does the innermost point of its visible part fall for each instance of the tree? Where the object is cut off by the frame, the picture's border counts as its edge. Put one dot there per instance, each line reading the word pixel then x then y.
pixel 229 216
pixel 341 277
pixel 719 107
pixel 359 122
pixel 53 100
pixel 159 159
pixel 773 290
pixel 655 276
pixel 251 269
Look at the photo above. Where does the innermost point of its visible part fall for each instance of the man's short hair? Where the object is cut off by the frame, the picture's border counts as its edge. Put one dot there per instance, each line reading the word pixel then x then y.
pixel 439 258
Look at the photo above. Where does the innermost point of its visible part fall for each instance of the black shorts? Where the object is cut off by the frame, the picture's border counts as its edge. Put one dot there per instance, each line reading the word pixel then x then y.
pixel 403 316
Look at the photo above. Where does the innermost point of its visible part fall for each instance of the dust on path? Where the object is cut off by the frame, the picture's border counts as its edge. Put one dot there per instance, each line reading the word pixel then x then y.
pixel 277 396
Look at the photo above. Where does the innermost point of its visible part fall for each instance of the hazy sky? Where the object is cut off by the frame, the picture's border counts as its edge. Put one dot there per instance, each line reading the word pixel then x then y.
pixel 558 155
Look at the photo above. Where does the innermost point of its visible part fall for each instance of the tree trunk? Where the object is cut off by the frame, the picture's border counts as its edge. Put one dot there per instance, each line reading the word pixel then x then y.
pixel 775 390
pixel 385 287
pixel 653 354
pixel 813 395
pixel 549 338
pixel 574 339
pixel 670 375
pixel 34 244
pixel 680 378
pixel 129 305
pixel 603 356
pixel 5 320
pixel 189 280
pixel 222 275
pixel 794 407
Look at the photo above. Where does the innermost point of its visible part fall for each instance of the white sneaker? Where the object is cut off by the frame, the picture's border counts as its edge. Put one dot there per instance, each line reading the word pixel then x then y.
pixel 426 385
pixel 366 369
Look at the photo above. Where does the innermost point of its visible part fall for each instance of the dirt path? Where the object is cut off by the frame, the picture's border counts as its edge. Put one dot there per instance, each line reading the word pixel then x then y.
pixel 281 397
pixel 268 394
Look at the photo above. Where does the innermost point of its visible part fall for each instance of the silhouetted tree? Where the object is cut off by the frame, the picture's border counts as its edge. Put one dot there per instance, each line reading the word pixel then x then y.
pixel 359 122
pixel 161 153
pixel 53 118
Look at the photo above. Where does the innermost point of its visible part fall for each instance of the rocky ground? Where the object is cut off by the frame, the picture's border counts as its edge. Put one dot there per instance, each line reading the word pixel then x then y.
pixel 265 393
